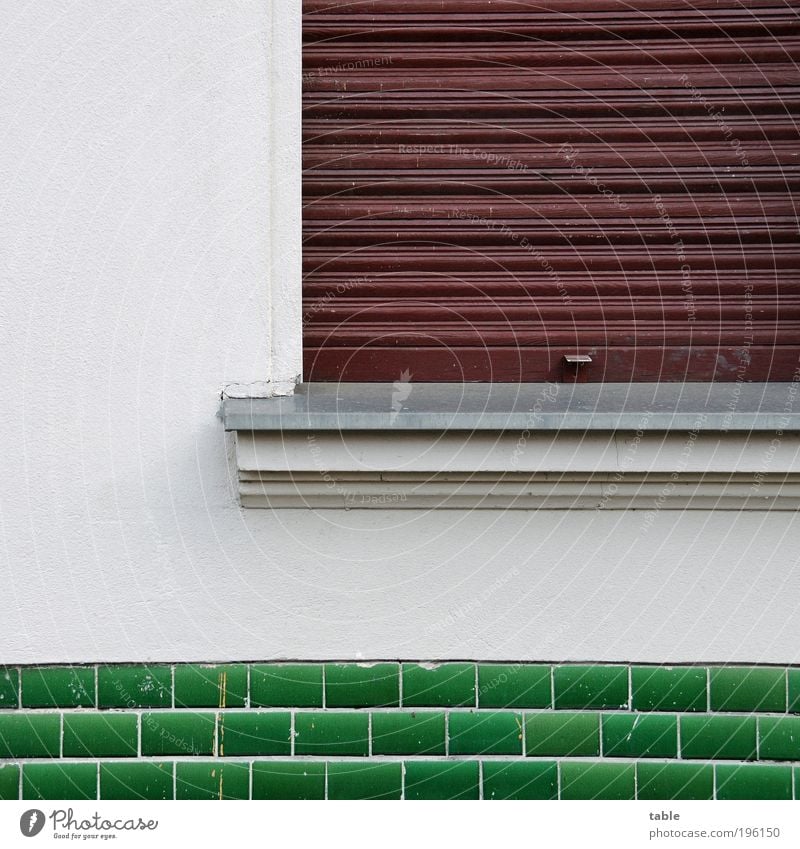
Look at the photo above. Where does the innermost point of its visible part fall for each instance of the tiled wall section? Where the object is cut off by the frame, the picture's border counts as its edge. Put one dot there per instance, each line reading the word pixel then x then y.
pixel 388 730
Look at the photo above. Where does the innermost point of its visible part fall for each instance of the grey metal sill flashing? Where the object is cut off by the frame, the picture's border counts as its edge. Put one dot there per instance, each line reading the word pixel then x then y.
pixel 725 407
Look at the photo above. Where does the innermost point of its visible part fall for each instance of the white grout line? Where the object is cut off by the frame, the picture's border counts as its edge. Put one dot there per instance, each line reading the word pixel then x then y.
pixel 630 688
pixel 477 690
pixel 758 736
pixel 786 686
pixel 400 684
pixel 600 731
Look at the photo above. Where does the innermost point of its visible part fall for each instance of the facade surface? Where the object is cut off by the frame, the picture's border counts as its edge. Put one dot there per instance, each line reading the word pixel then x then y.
pixel 150 247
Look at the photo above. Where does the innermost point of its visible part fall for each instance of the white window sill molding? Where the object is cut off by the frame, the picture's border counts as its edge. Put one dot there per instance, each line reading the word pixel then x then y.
pixel 561 446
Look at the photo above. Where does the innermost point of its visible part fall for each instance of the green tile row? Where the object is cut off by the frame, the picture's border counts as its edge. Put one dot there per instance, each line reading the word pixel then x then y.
pixel 352 685
pixel 429 732
pixel 435 779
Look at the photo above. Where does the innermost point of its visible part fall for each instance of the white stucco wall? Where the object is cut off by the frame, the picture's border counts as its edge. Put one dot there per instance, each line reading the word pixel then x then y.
pixel 135 263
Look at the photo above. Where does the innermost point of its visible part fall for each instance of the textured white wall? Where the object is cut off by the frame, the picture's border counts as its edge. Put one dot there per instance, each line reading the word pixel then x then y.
pixel 135 258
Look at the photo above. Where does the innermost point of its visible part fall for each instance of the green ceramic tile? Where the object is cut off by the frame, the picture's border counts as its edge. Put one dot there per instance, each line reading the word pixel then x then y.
pixel 179 733
pixel 59 781
pixel 134 687
pixel 518 685
pixel 445 685
pixel 441 780
pixel 9 782
pixel 101 735
pixel 520 780
pixel 364 780
pixel 676 688
pixel 143 780
pixel 675 781
pixel 718 737
pixel 485 733
pixel 211 686
pixel 255 733
pixel 779 738
pixel 282 780
pixel 597 780
pixel 30 735
pixel 331 734
pixel 408 733
pixel 564 734
pixel 740 688
pixel 212 781
pixel 640 735
pixel 286 685
pixel 9 687
pixel 357 685
pixel 58 686
pixel 751 781
pixel 794 691
pixel 584 687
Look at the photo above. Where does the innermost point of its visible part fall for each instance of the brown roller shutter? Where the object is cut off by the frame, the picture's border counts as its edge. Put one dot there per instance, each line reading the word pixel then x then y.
pixel 490 185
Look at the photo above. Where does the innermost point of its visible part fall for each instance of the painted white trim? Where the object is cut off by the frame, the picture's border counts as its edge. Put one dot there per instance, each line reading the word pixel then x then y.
pixel 285 208
pixel 548 470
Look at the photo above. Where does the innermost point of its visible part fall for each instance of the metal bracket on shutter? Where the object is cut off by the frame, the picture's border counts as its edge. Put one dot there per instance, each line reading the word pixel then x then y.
pixel 577 359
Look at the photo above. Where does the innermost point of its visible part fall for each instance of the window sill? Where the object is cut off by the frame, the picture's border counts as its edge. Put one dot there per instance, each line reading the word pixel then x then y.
pixel 529 446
